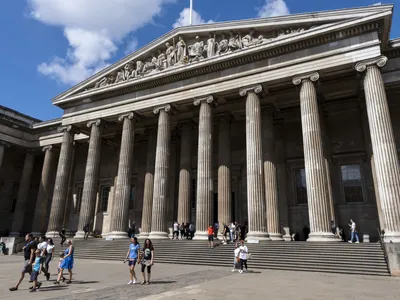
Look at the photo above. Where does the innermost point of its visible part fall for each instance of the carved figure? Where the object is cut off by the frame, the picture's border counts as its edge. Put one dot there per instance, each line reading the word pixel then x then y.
pixel 211 46
pixel 223 46
pixel 261 39
pixel 150 66
pixel 248 40
pixel 128 68
pixel 180 51
pixel 234 42
pixel 161 61
pixel 196 50
pixel 138 72
pixel 120 76
pixel 171 55
pixel 106 80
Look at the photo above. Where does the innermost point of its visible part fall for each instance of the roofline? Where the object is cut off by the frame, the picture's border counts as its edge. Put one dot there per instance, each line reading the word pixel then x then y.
pixel 34 120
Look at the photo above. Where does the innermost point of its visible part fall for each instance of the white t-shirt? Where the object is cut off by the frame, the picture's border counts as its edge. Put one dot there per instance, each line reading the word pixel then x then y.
pixel 353 227
pixel 237 250
pixel 232 227
pixel 175 226
pixel 50 248
pixel 42 246
pixel 243 252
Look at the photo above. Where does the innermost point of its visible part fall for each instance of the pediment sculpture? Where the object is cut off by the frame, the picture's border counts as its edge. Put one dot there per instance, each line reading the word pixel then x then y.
pixel 180 54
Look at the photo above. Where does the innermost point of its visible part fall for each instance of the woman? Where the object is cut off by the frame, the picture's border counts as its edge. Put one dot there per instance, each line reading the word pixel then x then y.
pixel 132 255
pixel 243 254
pixel 49 256
pixel 147 258
pixel 67 263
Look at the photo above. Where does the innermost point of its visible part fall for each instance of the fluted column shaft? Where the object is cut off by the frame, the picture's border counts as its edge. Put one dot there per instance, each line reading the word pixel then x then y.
pixel 39 225
pixel 61 184
pixel 184 174
pixel 204 201
pixel 22 196
pixel 91 180
pixel 149 184
pixel 224 172
pixel 160 193
pixel 270 176
pixel 254 165
pixel 386 159
pixel 120 209
pixel 315 168
pixel 3 147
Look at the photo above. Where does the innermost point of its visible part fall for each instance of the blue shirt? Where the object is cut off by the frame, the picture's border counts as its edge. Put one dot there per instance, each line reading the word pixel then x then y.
pixel 36 266
pixel 133 251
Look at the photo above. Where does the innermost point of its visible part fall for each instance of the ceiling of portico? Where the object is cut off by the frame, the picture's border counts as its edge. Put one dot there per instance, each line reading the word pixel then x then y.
pixel 216 47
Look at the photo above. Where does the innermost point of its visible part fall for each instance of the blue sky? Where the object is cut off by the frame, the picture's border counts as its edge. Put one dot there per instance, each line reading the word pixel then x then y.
pixel 49 45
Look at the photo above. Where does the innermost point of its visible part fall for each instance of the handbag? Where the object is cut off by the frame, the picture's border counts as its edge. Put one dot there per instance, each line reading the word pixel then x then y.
pixel 248 255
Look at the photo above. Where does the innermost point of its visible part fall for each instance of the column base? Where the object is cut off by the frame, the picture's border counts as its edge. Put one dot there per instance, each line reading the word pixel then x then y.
pixel 117 235
pixel 79 235
pixel 143 235
pixel 158 235
pixel 287 238
pixel 276 237
pixel 258 235
pixel 322 237
pixel 391 237
pixel 200 236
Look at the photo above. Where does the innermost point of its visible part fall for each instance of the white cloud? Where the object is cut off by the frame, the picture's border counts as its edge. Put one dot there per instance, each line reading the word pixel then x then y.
pixel 273 8
pixel 93 29
pixel 184 18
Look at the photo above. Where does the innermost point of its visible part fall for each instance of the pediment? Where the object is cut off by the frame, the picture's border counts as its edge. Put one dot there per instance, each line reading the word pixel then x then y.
pixel 194 46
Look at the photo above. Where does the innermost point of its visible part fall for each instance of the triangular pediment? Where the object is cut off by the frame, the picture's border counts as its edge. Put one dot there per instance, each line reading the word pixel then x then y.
pixel 187 47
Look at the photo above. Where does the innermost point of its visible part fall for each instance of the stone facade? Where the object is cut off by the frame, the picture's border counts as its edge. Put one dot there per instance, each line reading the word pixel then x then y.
pixel 291 130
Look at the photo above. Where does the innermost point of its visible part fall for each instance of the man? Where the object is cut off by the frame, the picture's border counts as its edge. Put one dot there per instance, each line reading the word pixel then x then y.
pixel 353 230
pixel 62 236
pixel 210 232
pixel 176 230
pixel 216 229
pixel 191 230
pixel 132 255
pixel 42 247
pixel 29 257
pixel 224 234
pixel 86 231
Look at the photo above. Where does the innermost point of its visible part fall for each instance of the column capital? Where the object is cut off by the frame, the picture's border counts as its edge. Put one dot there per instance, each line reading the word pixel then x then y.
pixel 68 128
pixel 257 88
pixel 166 108
pixel 298 79
pixel 49 148
pixel 97 122
pixel 379 61
pixel 208 99
pixel 130 115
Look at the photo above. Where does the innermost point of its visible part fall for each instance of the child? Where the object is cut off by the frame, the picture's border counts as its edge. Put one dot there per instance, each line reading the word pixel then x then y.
pixel 36 271
pixel 59 264
pixel 236 258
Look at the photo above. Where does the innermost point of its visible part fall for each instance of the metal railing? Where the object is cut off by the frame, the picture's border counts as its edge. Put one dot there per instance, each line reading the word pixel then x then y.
pixel 381 234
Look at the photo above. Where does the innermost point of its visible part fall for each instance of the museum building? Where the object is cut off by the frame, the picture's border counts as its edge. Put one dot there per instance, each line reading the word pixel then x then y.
pixel 281 122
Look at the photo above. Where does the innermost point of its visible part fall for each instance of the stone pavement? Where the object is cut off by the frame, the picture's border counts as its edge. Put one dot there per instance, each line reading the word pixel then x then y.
pixel 107 280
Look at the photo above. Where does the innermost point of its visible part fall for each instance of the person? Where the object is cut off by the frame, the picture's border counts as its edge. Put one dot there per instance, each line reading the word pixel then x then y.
pixel 210 232
pixel 243 252
pixel 243 231
pixel 42 247
pixel 191 230
pixel 353 230
pixel 49 257
pixel 132 255
pixel 86 231
pixel 67 263
pixel 3 249
pixel 36 271
pixel 232 231
pixel 236 258
pixel 29 256
pixel 176 230
pixel 224 234
pixel 306 232
pixel 147 260
pixel 182 230
pixel 62 236
pixel 216 228
pixel 59 265
pixel 333 227
pixel 133 226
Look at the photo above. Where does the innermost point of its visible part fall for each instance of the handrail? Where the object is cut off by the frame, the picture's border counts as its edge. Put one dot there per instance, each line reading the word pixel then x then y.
pixel 381 234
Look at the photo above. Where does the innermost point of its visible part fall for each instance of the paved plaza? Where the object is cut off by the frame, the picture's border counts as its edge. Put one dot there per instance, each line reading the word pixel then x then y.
pixel 107 280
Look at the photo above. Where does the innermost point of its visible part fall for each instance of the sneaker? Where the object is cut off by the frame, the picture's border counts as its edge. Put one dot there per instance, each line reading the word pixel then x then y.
pixel 233 270
pixel 134 281
pixel 357 242
pixel 13 289
pixel 350 242
pixel 39 285
pixel 130 282
pixel 240 271
pixel 32 290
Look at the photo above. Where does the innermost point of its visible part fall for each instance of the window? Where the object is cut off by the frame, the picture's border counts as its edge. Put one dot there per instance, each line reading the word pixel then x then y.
pixel 351 180
pixel 193 194
pixel 132 198
pixel 301 186
pixel 105 191
pixel 78 199
pixel 14 196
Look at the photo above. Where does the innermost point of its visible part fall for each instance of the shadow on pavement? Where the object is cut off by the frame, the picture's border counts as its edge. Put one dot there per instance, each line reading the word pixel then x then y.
pixel 83 282
pixel 52 288
pixel 162 282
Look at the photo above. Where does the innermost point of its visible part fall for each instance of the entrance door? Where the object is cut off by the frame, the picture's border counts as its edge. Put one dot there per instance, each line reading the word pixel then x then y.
pixel 215 216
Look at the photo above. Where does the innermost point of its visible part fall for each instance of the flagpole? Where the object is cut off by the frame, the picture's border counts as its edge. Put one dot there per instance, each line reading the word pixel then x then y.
pixel 190 11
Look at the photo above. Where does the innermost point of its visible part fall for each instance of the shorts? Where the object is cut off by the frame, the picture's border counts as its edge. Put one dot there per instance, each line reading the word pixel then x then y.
pixel 144 267
pixel 27 267
pixel 132 262
pixel 34 275
pixel 210 238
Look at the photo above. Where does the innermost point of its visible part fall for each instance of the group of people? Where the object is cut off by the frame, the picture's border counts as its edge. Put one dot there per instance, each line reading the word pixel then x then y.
pixel 38 253
pixel 183 231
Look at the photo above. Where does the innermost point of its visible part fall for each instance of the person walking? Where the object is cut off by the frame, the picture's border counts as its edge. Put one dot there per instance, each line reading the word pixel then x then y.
pixel 353 230
pixel 67 263
pixel 86 231
pixel 236 258
pixel 29 257
pixel 62 236
pixel 224 234
pixel 191 230
pixel 49 257
pixel 42 247
pixel 175 234
pixel 210 232
pixel 147 260
pixel 232 231
pixel 36 271
pixel 132 255
pixel 243 252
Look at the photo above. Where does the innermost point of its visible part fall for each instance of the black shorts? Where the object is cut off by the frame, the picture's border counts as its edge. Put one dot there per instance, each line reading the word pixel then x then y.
pixel 210 238
pixel 34 275
pixel 144 267
pixel 132 262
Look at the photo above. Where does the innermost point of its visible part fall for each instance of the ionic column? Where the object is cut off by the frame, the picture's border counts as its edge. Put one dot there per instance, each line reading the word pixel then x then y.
pixel 224 172
pixel 386 159
pixel 120 209
pixel 3 146
pixel 160 194
pixel 43 198
pixel 149 184
pixel 185 167
pixel 317 185
pixel 90 183
pixel 254 165
pixel 22 196
pixel 204 205
pixel 62 178
pixel 270 176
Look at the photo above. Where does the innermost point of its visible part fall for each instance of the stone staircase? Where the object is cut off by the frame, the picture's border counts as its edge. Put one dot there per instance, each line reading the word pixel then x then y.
pixel 364 258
